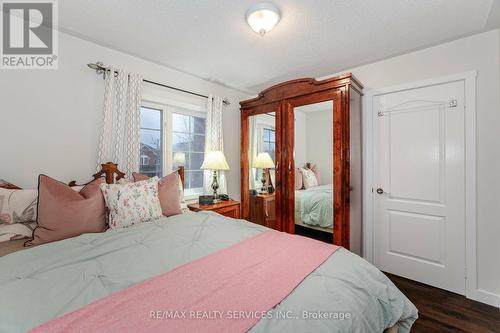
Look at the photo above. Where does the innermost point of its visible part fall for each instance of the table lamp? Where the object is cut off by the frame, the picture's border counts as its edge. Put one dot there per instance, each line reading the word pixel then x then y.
pixel 265 162
pixel 179 159
pixel 215 160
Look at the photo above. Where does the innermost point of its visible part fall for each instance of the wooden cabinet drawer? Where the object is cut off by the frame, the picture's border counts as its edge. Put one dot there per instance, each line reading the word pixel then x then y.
pixel 230 211
pixel 263 210
pixel 228 208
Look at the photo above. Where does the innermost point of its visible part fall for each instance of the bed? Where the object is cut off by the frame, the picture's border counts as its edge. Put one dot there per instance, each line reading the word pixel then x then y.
pixel 314 207
pixel 45 282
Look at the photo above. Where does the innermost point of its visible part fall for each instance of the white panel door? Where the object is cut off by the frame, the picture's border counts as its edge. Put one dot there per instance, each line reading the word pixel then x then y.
pixel 419 230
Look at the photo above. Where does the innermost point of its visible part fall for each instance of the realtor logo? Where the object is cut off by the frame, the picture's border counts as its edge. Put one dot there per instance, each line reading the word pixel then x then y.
pixel 29 40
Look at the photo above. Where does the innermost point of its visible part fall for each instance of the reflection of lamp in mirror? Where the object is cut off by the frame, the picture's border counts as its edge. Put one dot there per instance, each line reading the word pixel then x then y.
pixel 179 159
pixel 215 160
pixel 265 162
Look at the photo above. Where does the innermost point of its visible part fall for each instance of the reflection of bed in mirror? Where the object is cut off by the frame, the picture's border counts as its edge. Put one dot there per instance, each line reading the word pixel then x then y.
pixel 314 208
pixel 313 153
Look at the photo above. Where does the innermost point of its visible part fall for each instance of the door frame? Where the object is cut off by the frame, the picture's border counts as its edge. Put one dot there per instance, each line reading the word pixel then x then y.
pixel 472 290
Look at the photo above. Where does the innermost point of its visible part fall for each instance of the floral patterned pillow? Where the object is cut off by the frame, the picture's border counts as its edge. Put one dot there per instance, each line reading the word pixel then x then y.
pixel 16 231
pixel 17 206
pixel 132 203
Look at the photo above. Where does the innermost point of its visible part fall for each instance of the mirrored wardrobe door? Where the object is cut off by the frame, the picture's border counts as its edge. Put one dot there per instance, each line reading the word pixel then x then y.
pixel 260 167
pixel 313 173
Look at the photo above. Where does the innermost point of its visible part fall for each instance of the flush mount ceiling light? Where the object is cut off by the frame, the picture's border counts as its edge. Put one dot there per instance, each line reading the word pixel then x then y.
pixel 262 17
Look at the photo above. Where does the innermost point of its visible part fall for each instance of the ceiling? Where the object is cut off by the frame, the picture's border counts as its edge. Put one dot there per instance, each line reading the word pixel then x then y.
pixel 211 39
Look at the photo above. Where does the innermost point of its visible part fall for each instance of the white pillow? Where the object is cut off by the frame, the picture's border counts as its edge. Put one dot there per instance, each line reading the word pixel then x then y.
pixel 132 203
pixel 309 178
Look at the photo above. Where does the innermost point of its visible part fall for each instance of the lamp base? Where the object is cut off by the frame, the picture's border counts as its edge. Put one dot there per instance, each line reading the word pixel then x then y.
pixel 215 187
pixel 263 189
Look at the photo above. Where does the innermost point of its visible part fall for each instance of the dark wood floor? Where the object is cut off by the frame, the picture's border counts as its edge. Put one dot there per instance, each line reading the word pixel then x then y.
pixel 442 311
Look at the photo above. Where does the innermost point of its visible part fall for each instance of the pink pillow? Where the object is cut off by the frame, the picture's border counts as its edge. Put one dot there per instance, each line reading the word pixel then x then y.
pixel 298 179
pixel 168 192
pixel 65 213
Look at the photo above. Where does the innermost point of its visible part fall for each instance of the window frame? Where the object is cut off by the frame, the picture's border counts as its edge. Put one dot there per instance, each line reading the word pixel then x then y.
pixel 190 192
pixel 162 130
pixel 167 111
pixel 269 129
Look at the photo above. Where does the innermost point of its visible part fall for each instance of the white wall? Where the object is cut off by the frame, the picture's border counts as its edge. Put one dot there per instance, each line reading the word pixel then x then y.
pixel 51 120
pixel 300 130
pixel 319 142
pixel 481 53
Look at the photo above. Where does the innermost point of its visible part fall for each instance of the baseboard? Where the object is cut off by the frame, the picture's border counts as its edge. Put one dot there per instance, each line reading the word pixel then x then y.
pixel 485 297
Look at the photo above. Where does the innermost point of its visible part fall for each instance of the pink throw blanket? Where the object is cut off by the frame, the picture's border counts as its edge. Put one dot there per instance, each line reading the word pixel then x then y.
pixel 227 291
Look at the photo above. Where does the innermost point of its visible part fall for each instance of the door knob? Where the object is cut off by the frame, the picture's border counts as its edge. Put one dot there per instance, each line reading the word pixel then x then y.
pixel 380 191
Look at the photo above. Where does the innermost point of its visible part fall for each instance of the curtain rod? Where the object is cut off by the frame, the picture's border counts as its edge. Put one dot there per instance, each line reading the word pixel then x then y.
pixel 101 69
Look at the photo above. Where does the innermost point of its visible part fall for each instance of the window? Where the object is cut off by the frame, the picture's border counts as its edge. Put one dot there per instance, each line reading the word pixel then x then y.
pixel 144 160
pixel 269 141
pixel 172 137
pixel 188 148
pixel 151 143
pixel 269 146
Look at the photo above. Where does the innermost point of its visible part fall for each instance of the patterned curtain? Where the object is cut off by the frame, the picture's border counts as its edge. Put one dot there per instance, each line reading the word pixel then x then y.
pixel 214 141
pixel 120 134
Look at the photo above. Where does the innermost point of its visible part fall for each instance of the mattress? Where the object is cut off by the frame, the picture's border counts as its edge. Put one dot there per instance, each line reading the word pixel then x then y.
pixel 45 282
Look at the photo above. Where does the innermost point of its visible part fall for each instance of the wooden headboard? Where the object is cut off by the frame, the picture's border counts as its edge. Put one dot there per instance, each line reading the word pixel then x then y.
pixel 110 169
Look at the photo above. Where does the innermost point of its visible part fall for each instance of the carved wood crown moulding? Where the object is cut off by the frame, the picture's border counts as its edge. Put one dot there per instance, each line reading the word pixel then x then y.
pixel 300 87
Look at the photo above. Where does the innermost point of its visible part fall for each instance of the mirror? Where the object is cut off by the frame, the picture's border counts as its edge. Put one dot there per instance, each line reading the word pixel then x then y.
pixel 313 156
pixel 262 164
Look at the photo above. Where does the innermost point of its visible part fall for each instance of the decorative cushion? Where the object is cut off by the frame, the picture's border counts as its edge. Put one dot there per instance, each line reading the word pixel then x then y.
pixel 9 232
pixel 132 203
pixel 124 181
pixel 168 192
pixel 314 168
pixel 64 212
pixel 309 178
pixel 17 206
pixel 298 179
pixel 6 184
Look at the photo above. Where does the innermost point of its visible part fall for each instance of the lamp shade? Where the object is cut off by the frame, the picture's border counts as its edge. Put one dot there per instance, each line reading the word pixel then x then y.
pixel 179 159
pixel 215 160
pixel 263 161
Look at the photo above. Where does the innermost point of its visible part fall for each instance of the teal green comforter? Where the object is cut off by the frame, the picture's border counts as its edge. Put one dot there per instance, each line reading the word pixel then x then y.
pixel 316 206
pixel 45 282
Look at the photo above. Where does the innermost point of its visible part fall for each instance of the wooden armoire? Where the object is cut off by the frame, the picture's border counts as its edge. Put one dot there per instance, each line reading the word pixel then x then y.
pixel 280 101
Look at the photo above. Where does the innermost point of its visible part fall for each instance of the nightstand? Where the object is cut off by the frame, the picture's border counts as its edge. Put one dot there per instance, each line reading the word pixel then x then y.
pixel 262 210
pixel 229 208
